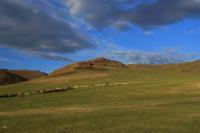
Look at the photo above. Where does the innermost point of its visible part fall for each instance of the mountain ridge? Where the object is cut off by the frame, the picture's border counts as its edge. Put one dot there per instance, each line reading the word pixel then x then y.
pixel 94 65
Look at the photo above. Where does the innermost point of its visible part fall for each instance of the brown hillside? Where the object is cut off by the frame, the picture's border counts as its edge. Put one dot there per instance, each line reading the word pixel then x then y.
pixel 191 66
pixel 9 78
pixel 28 74
pixel 181 67
pixel 95 64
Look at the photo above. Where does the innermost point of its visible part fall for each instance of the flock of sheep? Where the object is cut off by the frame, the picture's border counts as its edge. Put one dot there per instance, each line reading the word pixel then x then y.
pixel 64 89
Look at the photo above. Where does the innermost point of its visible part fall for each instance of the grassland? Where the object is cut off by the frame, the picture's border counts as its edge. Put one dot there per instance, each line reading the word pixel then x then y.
pixel 164 101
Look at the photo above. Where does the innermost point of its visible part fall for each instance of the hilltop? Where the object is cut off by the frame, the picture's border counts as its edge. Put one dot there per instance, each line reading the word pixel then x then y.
pixel 94 64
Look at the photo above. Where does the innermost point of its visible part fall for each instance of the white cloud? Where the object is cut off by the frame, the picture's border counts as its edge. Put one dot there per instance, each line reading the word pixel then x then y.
pixel 165 56
pixel 3 59
pixel 147 14
pixel 29 26
pixel 148 33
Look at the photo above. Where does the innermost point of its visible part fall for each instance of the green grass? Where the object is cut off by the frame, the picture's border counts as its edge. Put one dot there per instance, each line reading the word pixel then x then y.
pixel 163 102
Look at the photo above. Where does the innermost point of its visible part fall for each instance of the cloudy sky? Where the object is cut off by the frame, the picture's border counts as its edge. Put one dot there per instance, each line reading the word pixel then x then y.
pixel 47 34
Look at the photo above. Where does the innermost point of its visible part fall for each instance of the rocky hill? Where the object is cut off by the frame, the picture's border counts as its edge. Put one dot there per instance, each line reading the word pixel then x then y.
pixel 95 64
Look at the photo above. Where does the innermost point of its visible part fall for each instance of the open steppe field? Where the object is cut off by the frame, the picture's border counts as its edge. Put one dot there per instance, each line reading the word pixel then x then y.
pixel 99 66
pixel 161 101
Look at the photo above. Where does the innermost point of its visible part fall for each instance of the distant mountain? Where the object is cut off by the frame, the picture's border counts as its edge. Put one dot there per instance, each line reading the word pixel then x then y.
pixel 28 74
pixel 17 76
pixel 98 65
pixel 95 64
pixel 9 78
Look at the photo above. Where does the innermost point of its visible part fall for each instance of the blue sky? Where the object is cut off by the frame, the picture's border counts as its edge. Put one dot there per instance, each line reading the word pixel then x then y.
pixel 46 35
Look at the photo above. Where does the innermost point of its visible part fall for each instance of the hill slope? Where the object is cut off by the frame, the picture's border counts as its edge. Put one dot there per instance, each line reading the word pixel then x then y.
pixel 95 64
pixel 193 66
pixel 10 78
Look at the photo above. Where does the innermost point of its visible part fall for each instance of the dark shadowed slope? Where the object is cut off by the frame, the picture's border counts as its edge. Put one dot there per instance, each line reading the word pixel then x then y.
pixel 28 74
pixel 95 64
pixel 16 76
pixel 10 78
